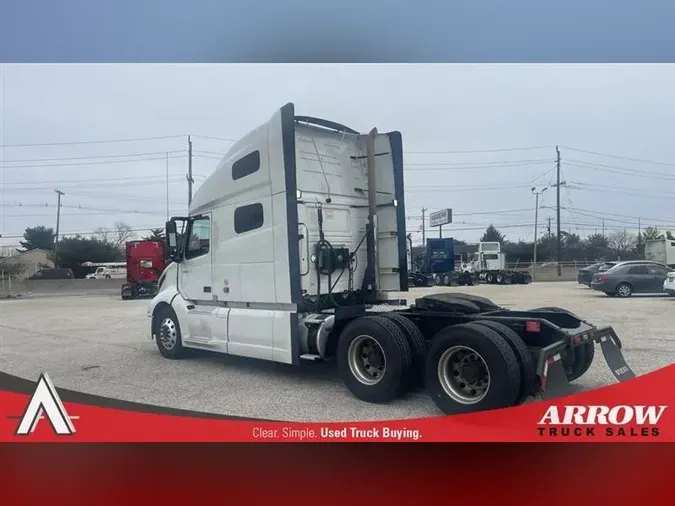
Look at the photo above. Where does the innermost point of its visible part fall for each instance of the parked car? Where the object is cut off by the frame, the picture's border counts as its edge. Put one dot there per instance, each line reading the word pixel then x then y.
pixel 585 275
pixel 669 284
pixel 53 274
pixel 632 277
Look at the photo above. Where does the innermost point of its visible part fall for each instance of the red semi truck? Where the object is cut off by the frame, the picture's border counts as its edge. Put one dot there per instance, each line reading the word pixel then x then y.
pixel 146 261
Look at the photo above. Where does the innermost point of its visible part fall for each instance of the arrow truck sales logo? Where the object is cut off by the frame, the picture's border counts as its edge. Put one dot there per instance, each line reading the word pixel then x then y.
pixel 590 421
pixel 45 401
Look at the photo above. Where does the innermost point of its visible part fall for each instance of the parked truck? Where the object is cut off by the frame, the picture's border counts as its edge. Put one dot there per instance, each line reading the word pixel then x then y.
pixel 295 249
pixel 146 261
pixel 661 250
pixel 488 265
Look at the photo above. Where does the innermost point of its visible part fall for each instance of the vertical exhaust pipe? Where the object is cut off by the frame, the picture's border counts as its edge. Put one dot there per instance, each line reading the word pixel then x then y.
pixel 370 280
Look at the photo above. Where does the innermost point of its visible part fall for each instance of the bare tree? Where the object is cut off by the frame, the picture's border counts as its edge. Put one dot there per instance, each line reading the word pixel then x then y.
pixel 622 241
pixel 122 234
pixel 103 234
pixel 117 237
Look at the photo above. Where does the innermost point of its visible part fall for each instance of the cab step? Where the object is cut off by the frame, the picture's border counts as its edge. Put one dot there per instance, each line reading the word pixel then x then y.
pixel 311 357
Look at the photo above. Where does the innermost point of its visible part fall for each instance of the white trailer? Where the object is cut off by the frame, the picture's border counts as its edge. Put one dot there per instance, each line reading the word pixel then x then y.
pixel 660 250
pixel 299 236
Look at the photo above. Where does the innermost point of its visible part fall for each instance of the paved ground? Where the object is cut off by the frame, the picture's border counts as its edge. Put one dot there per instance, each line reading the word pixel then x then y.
pixel 99 345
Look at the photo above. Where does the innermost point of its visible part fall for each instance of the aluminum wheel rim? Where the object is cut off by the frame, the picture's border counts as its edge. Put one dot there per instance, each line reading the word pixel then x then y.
pixel 624 291
pixel 168 333
pixel 366 360
pixel 464 375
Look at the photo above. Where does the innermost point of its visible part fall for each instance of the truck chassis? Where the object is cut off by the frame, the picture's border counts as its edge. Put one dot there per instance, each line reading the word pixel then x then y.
pixel 469 353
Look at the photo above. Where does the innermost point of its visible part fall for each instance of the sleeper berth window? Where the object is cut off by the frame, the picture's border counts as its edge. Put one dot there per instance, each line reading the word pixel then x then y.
pixel 247 218
pixel 246 166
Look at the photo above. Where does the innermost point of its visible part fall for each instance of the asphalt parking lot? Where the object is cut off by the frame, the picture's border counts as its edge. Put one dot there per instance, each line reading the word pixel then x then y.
pixel 99 344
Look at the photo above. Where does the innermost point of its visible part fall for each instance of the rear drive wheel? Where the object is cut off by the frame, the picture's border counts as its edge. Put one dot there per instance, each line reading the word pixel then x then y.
pixel 624 290
pixel 490 278
pixel 500 279
pixel 167 334
pixel 527 369
pixel 418 346
pixel 446 280
pixel 374 359
pixel 471 368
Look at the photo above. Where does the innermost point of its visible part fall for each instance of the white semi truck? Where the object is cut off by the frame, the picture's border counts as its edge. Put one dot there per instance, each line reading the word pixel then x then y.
pixel 292 249
pixel 488 265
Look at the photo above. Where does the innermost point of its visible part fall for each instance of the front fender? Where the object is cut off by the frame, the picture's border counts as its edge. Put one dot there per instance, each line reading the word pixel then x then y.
pixel 167 297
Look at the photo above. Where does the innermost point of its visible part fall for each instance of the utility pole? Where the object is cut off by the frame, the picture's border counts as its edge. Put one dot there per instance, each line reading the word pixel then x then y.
pixel 58 223
pixel 536 223
pixel 424 221
pixel 167 186
pixel 558 184
pixel 189 175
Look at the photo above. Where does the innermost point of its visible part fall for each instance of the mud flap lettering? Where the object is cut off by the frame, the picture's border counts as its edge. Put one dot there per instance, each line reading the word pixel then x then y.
pixel 613 356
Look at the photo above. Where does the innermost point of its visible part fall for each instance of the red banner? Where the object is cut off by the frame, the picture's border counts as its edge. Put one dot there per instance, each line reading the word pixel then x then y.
pixel 636 410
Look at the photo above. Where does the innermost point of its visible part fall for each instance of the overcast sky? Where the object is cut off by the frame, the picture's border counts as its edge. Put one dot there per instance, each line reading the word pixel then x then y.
pixel 443 111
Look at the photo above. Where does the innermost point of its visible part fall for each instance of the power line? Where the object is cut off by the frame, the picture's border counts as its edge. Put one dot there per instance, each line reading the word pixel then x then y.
pixel 613 169
pixel 114 179
pixel 446 166
pixel 122 155
pixel 214 138
pixel 84 208
pixel 74 143
pixel 641 160
pixel 617 189
pixel 81 232
pixel 499 150
pixel 101 162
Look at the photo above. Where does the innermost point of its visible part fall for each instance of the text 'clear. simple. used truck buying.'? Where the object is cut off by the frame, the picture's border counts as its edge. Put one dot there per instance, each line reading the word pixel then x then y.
pixel 295 248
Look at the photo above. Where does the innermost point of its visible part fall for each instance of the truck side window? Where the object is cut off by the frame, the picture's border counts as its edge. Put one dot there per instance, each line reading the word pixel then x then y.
pixel 246 166
pixel 199 240
pixel 247 218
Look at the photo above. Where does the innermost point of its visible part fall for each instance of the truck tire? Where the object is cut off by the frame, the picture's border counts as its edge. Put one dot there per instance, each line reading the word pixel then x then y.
pixel 583 358
pixel 167 333
pixel 500 279
pixel 583 355
pixel 447 280
pixel 471 368
pixel 374 359
pixel 418 345
pixel 527 370
pixel 490 278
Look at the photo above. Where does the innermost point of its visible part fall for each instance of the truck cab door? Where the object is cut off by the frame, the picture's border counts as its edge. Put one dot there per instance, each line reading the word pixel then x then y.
pixel 195 270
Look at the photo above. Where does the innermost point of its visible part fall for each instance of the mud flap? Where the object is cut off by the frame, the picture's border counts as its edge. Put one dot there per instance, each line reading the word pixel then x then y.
pixel 611 350
pixel 552 375
pixel 553 379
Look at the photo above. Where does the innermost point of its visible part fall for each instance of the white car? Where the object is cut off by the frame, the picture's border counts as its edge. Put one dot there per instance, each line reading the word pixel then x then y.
pixel 669 284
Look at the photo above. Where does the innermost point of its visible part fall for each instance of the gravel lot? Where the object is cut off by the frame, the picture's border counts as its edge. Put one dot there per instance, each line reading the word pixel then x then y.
pixel 99 344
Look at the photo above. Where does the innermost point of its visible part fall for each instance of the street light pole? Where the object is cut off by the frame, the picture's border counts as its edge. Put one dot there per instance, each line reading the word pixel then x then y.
pixel 536 222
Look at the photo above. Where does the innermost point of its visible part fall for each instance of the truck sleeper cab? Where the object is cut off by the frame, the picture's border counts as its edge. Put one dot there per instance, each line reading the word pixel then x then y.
pixel 297 236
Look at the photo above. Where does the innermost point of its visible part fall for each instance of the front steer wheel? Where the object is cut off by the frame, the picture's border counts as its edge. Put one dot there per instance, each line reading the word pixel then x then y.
pixel 471 368
pixel 374 359
pixel 167 333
